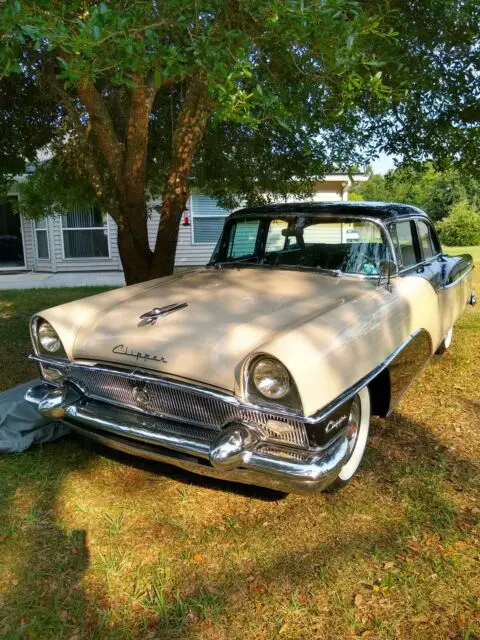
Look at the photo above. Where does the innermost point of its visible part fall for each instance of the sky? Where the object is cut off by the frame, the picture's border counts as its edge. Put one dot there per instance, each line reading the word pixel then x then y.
pixel 383 163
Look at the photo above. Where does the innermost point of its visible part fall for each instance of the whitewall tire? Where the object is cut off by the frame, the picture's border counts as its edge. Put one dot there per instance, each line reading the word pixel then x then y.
pixel 358 436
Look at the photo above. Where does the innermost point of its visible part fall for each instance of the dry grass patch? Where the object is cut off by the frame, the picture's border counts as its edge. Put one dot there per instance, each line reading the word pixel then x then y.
pixel 96 545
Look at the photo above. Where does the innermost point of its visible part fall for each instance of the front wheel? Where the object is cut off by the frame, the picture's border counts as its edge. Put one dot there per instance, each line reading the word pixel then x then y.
pixel 357 434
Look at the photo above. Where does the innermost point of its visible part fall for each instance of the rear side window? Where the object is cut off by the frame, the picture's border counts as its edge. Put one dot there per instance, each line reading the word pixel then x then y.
pixel 403 240
pixel 425 239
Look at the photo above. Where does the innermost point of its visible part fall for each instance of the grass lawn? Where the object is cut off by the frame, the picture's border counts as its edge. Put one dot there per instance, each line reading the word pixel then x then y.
pixel 96 545
pixel 473 251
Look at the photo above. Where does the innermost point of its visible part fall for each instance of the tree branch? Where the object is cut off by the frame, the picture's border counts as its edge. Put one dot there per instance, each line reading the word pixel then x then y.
pixel 102 126
pixel 140 107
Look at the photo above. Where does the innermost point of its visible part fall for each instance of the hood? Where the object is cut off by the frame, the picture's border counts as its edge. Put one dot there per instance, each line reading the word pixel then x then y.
pixel 230 313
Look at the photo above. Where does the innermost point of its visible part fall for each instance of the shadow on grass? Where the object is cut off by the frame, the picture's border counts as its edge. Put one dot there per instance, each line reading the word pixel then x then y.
pixel 42 595
pixel 405 462
pixel 182 476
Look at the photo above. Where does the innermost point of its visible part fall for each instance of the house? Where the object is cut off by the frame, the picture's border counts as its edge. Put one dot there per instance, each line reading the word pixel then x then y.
pixel 84 240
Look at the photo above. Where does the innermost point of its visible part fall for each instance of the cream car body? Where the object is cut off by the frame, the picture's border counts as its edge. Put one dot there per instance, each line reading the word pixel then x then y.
pixel 334 334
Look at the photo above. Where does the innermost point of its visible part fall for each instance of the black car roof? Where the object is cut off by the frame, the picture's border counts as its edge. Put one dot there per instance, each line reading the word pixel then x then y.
pixel 380 210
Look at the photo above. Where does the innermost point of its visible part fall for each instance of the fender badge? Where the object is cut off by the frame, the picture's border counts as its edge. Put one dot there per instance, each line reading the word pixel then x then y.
pixel 333 424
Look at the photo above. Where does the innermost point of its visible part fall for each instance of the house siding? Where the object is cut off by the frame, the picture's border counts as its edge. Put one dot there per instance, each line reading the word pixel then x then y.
pixel 198 253
pixel 29 249
pixel 189 253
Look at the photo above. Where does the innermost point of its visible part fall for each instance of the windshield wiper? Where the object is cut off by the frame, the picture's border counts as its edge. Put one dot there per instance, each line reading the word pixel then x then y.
pixel 236 263
pixel 292 267
pixel 286 267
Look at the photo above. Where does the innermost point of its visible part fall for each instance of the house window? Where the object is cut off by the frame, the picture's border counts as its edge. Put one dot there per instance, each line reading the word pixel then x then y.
pixel 207 219
pixel 85 234
pixel 41 234
pixel 207 229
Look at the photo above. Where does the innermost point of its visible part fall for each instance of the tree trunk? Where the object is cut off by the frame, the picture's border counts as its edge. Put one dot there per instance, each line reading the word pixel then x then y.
pixel 189 131
pixel 136 260
pixel 133 246
pixel 126 161
pixel 173 205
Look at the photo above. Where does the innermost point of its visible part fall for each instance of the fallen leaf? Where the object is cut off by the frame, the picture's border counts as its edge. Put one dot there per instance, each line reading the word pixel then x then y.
pixel 358 599
pixel 388 565
pixel 420 618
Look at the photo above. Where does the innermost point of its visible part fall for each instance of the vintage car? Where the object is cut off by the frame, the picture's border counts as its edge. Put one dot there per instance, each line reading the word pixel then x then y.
pixel 265 366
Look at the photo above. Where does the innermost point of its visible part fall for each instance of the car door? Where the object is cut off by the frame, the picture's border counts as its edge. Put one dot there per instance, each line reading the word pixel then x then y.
pixel 446 274
pixel 416 280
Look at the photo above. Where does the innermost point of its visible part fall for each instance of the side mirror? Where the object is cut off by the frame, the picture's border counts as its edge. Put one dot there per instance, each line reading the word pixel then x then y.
pixel 388 268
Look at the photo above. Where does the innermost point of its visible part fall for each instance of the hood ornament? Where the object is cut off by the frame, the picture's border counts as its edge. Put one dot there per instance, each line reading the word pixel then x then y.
pixel 159 312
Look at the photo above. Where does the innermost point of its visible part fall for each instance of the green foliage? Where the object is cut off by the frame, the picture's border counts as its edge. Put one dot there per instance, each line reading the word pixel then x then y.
pixel 462 225
pixel 292 90
pixel 52 190
pixel 422 185
pixel 285 81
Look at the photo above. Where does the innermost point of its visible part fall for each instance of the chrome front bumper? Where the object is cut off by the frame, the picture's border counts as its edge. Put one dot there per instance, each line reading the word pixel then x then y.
pixel 238 453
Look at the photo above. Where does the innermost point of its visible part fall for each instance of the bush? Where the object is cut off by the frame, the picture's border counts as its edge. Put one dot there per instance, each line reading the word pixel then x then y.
pixel 461 227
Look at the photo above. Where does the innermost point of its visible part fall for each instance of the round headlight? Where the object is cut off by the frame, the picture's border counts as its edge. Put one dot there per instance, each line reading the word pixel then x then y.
pixel 271 378
pixel 48 337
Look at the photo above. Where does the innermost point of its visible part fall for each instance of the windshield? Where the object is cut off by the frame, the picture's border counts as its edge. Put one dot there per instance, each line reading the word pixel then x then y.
pixel 334 244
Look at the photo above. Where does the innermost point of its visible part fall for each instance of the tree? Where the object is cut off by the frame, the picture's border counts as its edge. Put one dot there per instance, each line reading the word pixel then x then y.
pixel 422 185
pixel 240 97
pixel 462 225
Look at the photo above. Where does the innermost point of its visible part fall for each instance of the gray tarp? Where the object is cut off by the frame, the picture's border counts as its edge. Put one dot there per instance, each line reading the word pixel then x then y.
pixel 20 423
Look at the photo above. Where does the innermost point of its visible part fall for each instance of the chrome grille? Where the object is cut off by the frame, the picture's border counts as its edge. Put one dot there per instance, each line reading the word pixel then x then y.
pixel 177 403
pixel 164 426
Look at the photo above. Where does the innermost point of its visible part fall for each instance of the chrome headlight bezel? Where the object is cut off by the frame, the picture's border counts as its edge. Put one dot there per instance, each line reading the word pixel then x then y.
pixel 288 401
pixel 40 346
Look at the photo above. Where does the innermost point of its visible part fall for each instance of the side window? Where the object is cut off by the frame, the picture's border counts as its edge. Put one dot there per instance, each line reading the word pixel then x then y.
pixel 436 247
pixel 425 240
pixel 275 239
pixel 402 236
pixel 243 239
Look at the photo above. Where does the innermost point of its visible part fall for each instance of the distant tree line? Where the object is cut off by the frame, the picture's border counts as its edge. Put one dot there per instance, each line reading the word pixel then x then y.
pixel 449 197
